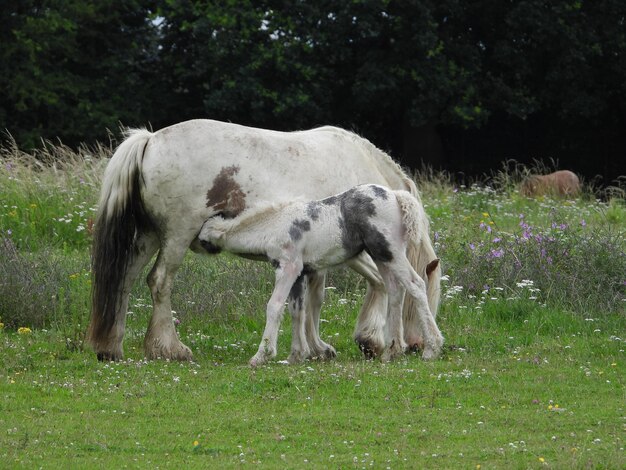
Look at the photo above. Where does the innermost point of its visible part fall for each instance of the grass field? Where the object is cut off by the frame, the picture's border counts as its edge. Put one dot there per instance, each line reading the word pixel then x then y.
pixel 533 374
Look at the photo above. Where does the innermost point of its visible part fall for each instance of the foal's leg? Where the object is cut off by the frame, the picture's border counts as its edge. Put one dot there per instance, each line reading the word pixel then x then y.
pixel 370 329
pixel 112 348
pixel 286 275
pixel 161 340
pixel 299 346
pixel 314 299
pixel 416 288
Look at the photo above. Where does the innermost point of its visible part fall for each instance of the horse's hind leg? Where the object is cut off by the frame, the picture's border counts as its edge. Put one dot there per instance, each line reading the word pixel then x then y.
pixel 112 348
pixel 314 299
pixel 296 303
pixel 161 340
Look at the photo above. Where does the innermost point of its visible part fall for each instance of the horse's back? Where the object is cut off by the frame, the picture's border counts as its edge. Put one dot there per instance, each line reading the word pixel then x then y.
pixel 201 167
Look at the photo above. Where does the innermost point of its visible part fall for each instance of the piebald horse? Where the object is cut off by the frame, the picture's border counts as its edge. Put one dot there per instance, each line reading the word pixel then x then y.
pixel 160 187
pixel 303 238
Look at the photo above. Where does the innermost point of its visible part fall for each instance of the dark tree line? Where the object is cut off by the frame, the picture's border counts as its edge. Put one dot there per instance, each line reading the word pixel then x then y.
pixel 455 83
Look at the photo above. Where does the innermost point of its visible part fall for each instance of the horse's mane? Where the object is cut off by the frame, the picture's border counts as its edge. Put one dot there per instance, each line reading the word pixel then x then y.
pixel 391 165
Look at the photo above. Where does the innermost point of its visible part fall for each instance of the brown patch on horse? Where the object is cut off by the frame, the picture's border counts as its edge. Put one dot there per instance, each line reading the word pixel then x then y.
pixel 559 183
pixel 226 195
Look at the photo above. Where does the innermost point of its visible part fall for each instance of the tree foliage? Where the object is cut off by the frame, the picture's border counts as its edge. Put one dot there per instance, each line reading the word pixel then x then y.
pixel 554 71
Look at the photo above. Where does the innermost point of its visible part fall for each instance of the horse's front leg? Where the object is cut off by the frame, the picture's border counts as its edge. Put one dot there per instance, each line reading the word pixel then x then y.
pixel 315 297
pixel 161 340
pixel 286 276
pixel 369 333
pixel 395 344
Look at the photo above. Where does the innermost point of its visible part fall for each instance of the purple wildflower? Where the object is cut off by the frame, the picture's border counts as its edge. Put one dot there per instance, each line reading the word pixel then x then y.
pixel 497 253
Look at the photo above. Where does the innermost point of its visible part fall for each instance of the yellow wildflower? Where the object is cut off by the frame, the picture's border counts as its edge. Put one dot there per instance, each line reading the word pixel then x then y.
pixel 24 330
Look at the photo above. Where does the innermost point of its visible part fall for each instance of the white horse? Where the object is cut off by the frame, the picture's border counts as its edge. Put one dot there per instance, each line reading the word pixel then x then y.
pixel 301 238
pixel 159 188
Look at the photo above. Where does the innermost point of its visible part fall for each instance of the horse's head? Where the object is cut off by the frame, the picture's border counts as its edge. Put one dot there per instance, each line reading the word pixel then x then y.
pixel 530 186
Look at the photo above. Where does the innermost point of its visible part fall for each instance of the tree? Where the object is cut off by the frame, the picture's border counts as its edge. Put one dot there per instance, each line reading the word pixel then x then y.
pixel 73 68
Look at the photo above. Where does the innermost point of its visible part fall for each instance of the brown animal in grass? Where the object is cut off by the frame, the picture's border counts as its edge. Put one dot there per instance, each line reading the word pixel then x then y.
pixel 559 183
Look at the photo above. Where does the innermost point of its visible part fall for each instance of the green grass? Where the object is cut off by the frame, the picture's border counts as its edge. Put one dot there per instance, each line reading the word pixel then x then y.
pixel 532 375
pixel 505 394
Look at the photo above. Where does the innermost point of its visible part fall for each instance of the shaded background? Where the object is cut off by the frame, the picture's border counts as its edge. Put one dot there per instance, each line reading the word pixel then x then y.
pixel 458 85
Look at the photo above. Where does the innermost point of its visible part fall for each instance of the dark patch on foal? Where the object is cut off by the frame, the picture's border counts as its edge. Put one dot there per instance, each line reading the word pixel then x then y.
pixel 313 209
pixel 330 201
pixel 297 227
pixel 296 294
pixel 380 192
pixel 357 232
pixel 226 195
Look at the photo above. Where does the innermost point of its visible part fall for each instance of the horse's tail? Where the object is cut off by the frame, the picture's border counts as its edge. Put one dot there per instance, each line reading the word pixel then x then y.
pixel 420 251
pixel 120 218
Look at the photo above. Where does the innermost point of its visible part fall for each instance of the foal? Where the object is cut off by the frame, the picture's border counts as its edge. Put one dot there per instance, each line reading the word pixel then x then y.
pixel 304 237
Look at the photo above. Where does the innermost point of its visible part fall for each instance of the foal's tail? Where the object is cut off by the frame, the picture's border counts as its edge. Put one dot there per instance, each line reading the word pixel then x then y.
pixel 420 252
pixel 120 218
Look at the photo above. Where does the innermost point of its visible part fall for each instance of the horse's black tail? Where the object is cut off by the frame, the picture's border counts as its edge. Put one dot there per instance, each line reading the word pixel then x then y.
pixel 120 218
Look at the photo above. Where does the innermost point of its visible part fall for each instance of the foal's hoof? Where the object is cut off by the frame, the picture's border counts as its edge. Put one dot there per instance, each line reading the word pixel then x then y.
pixel 433 350
pixel 257 361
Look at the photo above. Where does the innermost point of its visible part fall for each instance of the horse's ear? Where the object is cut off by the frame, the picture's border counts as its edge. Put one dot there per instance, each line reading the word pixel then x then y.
pixel 430 267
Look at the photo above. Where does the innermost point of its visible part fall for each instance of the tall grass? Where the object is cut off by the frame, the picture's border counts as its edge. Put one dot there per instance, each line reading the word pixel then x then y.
pixel 489 237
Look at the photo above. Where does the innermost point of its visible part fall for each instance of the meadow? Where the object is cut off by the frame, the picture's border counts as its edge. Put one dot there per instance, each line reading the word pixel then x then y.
pixel 533 373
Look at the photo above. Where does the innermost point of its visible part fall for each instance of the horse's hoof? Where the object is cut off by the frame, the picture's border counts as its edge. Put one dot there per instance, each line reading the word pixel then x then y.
pixel 180 352
pixel 369 349
pixel 415 345
pixel 109 356
pixel 330 353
